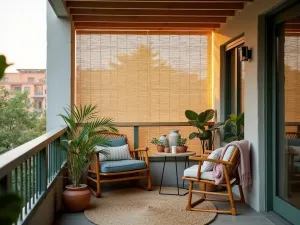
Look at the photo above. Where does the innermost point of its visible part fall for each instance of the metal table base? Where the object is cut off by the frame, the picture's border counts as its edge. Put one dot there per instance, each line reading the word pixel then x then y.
pixel 162 177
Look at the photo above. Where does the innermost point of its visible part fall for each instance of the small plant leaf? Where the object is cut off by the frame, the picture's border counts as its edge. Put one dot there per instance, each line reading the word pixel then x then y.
pixel 191 115
pixel 206 116
pixel 193 135
pixel 205 135
pixel 3 65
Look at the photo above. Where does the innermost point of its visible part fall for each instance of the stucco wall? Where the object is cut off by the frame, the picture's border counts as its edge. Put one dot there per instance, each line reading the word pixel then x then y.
pixel 58 67
pixel 246 22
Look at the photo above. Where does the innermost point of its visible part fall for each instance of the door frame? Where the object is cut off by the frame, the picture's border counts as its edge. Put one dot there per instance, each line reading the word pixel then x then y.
pixel 267 86
pixel 225 103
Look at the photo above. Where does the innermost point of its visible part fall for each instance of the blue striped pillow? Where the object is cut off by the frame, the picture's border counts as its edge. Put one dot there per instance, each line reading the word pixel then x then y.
pixel 114 153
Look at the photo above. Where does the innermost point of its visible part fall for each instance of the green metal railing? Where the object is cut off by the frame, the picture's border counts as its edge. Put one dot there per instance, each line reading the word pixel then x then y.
pixel 31 168
pixel 136 126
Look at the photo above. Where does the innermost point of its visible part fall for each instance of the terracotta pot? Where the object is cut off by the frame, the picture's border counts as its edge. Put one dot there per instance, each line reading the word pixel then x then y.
pixel 167 150
pixel 76 199
pixel 181 149
pixel 160 148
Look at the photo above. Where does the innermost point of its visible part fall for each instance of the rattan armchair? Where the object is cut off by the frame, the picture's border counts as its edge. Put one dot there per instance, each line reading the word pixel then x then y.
pixel 95 176
pixel 231 179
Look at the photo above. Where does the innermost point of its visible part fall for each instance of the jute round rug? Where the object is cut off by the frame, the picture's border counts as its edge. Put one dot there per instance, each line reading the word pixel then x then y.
pixel 139 207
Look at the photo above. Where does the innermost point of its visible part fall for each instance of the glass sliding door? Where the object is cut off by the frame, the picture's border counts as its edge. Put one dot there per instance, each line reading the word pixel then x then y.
pixel 286 155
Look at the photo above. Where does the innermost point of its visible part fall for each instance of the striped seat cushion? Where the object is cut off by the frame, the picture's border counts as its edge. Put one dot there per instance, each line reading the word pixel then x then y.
pixel 114 153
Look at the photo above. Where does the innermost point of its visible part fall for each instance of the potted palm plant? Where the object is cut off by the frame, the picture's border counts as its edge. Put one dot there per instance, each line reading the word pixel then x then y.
pixel 85 132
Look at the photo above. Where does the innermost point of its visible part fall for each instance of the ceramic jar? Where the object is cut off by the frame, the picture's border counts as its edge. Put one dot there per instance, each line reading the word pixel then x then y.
pixel 173 137
pixel 163 138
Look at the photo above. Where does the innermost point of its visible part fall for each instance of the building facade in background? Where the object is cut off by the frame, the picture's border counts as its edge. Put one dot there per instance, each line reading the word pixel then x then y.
pixel 32 81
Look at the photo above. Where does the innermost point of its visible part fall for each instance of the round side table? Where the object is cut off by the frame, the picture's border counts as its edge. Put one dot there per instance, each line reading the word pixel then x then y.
pixel 175 155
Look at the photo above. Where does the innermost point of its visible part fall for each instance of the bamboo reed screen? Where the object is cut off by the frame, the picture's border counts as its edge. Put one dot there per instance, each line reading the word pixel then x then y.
pixel 145 77
pixel 292 80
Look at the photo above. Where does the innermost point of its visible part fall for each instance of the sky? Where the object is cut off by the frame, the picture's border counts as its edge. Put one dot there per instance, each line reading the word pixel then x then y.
pixel 23 33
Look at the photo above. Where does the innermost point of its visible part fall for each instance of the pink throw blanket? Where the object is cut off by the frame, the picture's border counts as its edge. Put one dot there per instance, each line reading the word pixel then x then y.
pixel 244 167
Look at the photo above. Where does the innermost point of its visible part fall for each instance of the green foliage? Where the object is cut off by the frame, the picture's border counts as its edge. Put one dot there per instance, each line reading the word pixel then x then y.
pixel 155 141
pixel 10 208
pixel 3 65
pixel 234 128
pixel 181 141
pixel 199 121
pixel 84 134
pixel 18 123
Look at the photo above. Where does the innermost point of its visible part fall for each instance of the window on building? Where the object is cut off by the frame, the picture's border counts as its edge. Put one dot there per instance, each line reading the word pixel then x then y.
pixel 38 90
pixel 37 104
pixel 145 77
pixel 27 89
pixel 30 79
pixel 5 79
pixel 17 88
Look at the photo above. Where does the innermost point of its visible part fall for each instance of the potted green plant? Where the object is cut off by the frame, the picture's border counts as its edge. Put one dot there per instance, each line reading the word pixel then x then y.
pixel 199 121
pixel 159 144
pixel 234 128
pixel 85 131
pixel 181 147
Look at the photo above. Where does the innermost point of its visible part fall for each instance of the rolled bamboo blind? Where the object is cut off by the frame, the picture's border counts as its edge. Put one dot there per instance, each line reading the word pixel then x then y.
pixel 145 77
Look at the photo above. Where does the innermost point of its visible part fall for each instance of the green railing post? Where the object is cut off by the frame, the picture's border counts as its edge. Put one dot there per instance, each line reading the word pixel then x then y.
pixel 136 136
pixel 44 169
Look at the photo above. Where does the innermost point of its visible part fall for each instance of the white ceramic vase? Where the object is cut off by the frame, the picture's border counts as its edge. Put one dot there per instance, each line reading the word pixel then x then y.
pixel 163 138
pixel 173 137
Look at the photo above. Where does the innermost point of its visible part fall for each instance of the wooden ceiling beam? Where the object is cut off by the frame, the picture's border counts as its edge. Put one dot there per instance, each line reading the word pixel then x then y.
pixel 145 26
pixel 150 13
pixel 156 6
pixel 143 19
pixel 156 1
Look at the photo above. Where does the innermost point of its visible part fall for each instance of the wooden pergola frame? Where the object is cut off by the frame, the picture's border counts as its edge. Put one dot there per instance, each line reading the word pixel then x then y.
pixel 151 14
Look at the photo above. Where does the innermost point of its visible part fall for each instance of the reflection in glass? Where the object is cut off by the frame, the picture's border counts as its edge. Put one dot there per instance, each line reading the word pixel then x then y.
pixel 288 152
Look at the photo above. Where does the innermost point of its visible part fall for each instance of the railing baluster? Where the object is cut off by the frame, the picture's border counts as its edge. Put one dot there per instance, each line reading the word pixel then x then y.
pixel 49 163
pixel 26 186
pixel 15 180
pixel 30 183
pixel 21 188
pixel 34 177
pixel 55 156
pixel 44 169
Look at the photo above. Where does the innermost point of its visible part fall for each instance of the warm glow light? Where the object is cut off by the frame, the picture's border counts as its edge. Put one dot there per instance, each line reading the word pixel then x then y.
pixel 212 71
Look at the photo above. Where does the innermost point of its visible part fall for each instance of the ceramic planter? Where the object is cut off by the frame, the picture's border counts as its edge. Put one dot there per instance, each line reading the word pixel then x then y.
pixel 173 137
pixel 76 199
pixel 163 138
pixel 160 148
pixel 181 149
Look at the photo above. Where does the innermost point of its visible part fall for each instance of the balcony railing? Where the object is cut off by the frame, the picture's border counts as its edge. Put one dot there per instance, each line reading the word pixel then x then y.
pixel 136 131
pixel 31 168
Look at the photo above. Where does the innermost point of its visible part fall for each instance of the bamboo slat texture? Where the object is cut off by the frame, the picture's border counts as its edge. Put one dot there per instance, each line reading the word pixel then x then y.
pixel 145 77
